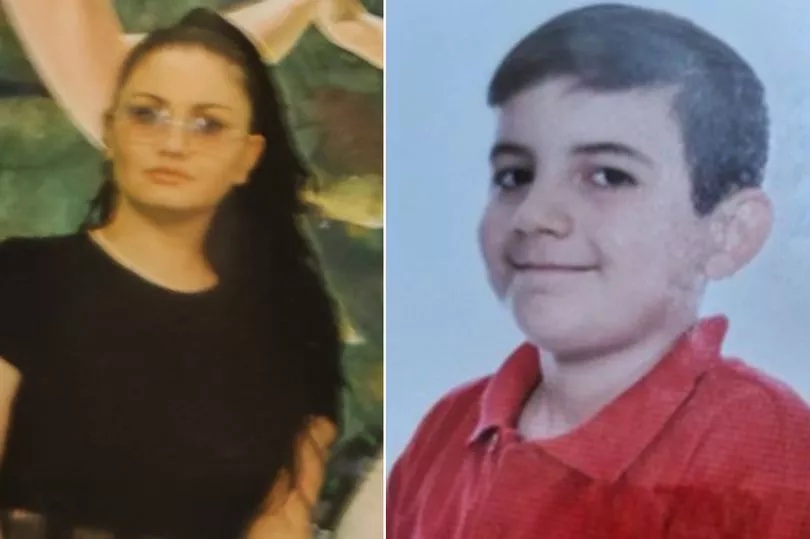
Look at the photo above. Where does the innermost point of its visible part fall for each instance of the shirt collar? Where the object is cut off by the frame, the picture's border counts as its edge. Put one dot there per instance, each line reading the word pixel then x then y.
pixel 507 391
pixel 605 446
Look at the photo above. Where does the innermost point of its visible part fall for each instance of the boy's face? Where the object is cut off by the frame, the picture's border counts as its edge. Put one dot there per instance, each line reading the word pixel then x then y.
pixel 590 232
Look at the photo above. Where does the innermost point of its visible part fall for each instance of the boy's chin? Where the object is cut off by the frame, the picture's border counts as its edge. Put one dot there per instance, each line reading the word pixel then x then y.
pixel 574 329
pixel 557 331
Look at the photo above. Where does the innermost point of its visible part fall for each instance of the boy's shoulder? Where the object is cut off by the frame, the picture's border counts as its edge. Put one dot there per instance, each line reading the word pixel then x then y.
pixel 741 383
pixel 453 421
pixel 465 399
pixel 758 422
pixel 450 419
pixel 460 402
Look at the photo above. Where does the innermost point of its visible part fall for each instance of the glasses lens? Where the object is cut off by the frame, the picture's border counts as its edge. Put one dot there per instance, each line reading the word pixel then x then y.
pixel 144 123
pixel 150 125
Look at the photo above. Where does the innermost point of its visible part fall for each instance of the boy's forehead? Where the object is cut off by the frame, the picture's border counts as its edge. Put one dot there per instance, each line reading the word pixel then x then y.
pixel 559 112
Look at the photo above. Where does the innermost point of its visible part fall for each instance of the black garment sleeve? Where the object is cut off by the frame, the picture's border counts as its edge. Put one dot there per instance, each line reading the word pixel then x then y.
pixel 14 280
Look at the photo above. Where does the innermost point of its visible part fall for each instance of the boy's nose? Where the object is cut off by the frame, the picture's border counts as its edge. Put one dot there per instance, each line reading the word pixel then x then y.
pixel 544 210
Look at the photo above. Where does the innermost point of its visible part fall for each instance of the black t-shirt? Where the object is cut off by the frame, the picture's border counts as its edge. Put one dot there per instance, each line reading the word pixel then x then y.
pixel 140 408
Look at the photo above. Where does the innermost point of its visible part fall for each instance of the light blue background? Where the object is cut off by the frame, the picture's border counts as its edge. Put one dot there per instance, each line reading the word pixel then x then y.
pixel 444 327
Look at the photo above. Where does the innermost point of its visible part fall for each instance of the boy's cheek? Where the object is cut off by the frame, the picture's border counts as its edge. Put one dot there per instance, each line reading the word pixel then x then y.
pixel 500 276
pixel 493 236
pixel 500 281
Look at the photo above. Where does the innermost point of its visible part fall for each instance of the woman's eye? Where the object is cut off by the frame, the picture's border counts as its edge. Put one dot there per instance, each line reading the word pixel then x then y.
pixel 611 178
pixel 208 126
pixel 143 114
pixel 511 178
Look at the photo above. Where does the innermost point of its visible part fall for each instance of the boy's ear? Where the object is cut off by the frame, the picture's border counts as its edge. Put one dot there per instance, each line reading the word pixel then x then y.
pixel 739 226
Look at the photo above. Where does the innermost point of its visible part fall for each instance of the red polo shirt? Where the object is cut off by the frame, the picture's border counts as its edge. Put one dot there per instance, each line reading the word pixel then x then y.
pixel 701 447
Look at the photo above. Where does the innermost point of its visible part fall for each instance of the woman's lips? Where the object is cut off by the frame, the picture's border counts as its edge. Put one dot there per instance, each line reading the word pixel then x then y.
pixel 169 176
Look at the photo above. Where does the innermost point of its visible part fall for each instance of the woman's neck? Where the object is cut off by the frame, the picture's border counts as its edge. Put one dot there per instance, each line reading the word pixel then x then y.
pixel 169 253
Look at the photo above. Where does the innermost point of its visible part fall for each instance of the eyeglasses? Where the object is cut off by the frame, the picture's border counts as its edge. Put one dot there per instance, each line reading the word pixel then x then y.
pixel 149 125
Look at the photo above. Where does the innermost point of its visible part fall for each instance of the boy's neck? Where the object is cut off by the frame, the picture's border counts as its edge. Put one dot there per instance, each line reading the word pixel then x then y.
pixel 573 392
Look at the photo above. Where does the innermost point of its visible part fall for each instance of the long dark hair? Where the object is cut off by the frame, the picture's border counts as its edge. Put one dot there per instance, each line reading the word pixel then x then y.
pixel 255 241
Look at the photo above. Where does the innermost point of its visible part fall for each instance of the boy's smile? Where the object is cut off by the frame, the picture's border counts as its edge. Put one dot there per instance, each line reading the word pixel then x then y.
pixel 590 230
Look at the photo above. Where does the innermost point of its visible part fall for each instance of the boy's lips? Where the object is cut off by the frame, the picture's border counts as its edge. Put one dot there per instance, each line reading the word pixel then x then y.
pixel 549 277
pixel 552 267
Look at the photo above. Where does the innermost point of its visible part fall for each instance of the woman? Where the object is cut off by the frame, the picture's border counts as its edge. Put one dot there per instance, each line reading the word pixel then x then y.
pixel 173 370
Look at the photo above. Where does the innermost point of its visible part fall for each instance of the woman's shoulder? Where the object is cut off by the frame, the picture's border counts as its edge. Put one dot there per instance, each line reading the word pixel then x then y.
pixel 25 255
pixel 16 246
pixel 29 267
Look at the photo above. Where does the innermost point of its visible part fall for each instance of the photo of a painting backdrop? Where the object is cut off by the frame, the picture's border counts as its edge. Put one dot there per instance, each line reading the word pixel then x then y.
pixel 49 172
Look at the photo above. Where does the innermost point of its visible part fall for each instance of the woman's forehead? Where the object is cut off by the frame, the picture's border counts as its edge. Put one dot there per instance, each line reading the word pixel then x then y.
pixel 187 75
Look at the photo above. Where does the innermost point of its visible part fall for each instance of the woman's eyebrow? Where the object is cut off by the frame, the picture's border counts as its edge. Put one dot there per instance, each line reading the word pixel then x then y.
pixel 197 106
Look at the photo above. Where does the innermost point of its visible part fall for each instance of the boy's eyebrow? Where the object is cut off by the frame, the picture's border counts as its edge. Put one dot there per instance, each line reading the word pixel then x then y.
pixel 509 148
pixel 615 148
pixel 196 106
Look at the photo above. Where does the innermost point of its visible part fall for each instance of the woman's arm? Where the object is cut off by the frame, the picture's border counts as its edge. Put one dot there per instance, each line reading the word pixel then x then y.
pixel 349 25
pixel 9 383
pixel 287 512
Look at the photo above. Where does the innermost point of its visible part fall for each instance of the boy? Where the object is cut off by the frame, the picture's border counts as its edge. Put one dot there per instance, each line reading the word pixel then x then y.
pixel 627 166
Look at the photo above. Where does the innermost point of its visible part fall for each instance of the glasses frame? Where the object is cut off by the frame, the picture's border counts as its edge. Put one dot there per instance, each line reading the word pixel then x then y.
pixel 166 123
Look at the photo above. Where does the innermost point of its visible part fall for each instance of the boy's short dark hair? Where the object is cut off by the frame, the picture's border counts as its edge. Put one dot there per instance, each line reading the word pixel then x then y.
pixel 720 102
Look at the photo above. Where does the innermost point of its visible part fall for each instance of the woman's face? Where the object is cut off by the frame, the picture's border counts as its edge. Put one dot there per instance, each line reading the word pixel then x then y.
pixel 179 133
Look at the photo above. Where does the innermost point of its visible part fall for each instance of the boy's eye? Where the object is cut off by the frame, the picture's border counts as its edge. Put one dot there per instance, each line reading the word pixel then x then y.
pixel 511 178
pixel 611 178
